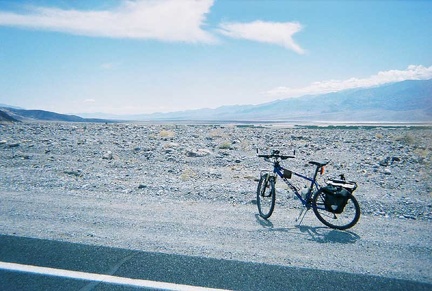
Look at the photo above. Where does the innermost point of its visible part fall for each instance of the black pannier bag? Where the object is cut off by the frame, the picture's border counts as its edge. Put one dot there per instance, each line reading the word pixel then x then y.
pixel 336 195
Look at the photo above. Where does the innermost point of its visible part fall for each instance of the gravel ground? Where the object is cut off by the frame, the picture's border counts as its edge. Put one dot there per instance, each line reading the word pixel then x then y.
pixel 190 189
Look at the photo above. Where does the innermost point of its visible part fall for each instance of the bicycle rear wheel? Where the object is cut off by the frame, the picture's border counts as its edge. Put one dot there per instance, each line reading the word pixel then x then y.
pixel 347 219
pixel 266 196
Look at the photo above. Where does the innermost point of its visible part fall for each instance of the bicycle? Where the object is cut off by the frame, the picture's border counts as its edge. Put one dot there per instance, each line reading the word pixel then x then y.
pixel 334 204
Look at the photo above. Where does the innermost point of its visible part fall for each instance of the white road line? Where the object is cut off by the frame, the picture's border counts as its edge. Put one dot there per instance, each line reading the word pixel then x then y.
pixel 98 277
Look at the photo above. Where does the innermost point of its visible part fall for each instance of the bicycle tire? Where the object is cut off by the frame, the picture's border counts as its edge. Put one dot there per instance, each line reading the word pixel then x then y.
pixel 266 196
pixel 347 219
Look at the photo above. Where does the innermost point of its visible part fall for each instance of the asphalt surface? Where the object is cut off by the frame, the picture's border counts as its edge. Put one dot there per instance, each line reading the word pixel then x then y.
pixel 179 269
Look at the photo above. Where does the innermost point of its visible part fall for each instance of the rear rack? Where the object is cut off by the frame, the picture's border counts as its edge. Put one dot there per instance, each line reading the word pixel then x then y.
pixel 342 183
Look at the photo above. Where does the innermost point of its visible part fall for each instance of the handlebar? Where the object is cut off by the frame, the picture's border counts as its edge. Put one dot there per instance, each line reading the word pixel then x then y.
pixel 282 157
pixel 275 154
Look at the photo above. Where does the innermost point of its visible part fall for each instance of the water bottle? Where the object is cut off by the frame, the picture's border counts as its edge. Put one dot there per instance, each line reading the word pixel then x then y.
pixel 304 192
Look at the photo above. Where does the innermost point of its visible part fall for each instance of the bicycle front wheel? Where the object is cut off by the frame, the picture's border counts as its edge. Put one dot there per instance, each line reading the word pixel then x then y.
pixel 347 219
pixel 266 196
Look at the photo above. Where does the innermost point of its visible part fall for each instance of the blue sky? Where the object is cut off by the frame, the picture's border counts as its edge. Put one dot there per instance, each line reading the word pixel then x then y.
pixel 130 57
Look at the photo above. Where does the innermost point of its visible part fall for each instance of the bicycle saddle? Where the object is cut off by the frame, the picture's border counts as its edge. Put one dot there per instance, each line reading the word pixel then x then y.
pixel 318 164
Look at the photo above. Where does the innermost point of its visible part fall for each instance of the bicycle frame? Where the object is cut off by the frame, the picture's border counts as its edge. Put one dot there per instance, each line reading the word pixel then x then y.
pixel 278 170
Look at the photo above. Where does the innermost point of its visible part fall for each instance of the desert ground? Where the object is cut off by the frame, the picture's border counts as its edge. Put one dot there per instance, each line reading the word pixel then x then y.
pixel 190 189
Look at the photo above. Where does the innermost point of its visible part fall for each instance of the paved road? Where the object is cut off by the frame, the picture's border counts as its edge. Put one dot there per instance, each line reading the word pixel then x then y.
pixel 186 270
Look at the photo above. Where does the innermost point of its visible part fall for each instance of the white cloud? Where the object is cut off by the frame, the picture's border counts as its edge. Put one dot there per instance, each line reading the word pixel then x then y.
pixel 109 66
pixel 279 33
pixel 411 73
pixel 166 20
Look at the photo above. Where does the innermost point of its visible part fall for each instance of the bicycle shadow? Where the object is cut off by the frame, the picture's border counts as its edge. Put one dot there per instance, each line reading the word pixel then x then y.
pixel 327 235
pixel 263 222
pixel 320 234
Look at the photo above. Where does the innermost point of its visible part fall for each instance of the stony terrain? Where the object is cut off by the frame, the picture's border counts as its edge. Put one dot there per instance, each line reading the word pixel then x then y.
pixel 190 189
pixel 214 162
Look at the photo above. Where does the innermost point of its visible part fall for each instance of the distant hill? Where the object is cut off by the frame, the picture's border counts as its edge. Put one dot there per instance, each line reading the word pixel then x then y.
pixel 9 106
pixel 4 117
pixel 14 114
pixel 408 101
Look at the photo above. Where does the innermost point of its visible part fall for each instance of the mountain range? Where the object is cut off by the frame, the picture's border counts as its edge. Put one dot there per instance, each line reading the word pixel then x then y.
pixel 407 101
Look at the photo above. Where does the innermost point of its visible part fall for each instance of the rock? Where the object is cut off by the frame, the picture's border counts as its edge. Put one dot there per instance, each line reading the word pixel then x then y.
pixel 197 153
pixel 22 156
pixel 172 145
pixel 385 162
pixel 108 156
pixel 395 159
pixel 76 173
pixel 136 149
